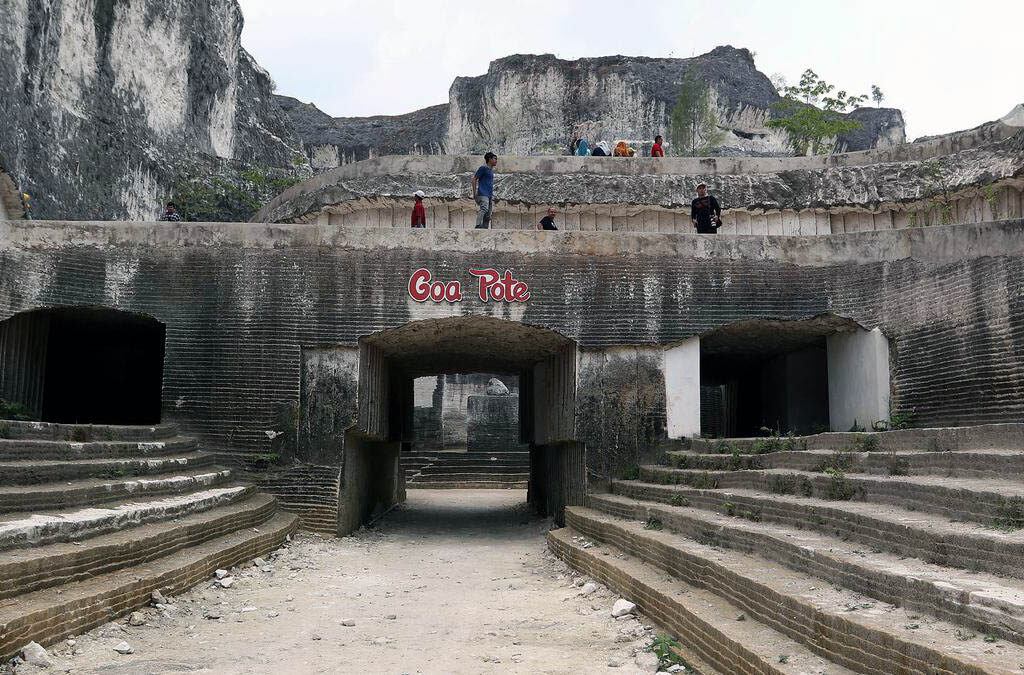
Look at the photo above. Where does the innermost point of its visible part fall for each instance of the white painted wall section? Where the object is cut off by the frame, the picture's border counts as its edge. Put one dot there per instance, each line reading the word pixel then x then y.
pixel 858 379
pixel 682 389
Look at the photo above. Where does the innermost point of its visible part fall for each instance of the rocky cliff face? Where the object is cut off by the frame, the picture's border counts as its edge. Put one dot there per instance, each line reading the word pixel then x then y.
pixel 106 104
pixel 535 104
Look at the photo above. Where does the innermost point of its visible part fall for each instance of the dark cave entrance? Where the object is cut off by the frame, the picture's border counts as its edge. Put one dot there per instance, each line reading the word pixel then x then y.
pixel 83 365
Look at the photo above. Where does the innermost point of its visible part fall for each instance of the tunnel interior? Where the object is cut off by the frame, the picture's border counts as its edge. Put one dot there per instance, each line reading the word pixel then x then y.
pixel 540 362
pixel 83 365
pixel 766 376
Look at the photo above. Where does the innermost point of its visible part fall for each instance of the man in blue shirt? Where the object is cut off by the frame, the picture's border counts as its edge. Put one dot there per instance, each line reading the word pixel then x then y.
pixel 483 191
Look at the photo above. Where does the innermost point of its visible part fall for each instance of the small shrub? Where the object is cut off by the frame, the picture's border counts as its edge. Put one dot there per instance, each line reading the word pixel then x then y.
pixel 663 646
pixel 723 447
pixel 902 419
pixel 5 430
pixel 856 428
pixel 794 444
pixel 867 443
pixel 14 411
pixel 680 461
pixel 839 489
pixel 1010 513
pixel 840 460
pixel 897 466
pixel 753 515
pixel 806 487
pixel 729 509
pixel 784 658
pixel 678 500
pixel 653 523
pixel 264 461
pixel 764 446
pixel 736 461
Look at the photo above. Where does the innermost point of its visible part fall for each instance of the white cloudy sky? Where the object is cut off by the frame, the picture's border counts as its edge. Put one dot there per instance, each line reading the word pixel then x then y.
pixel 947 65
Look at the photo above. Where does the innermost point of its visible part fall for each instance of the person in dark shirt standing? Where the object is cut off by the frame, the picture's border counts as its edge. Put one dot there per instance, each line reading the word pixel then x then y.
pixel 705 212
pixel 656 150
pixel 483 191
pixel 548 221
pixel 419 215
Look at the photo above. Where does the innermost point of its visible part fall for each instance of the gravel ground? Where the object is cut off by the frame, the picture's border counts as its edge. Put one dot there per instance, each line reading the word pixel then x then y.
pixel 453 581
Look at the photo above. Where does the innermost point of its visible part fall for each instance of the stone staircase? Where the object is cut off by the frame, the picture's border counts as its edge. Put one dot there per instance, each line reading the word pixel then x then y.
pixel 908 558
pixel 441 469
pixel 93 519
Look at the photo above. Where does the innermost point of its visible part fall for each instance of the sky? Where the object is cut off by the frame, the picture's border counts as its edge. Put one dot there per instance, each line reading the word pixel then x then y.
pixel 947 66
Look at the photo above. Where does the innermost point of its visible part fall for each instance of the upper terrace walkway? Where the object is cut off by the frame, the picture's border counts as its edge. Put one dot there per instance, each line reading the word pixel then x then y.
pixel 967 177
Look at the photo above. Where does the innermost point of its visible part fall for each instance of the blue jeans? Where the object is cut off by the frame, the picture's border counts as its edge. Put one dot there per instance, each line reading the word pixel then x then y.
pixel 483 216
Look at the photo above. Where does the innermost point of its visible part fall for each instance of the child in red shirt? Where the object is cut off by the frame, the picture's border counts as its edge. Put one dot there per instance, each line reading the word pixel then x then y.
pixel 419 216
pixel 656 151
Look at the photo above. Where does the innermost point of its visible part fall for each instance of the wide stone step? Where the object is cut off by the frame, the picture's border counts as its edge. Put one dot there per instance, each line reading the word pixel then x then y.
pixel 52 614
pixel 978 437
pixel 839 625
pixel 706 624
pixel 85 492
pixel 470 469
pixel 466 485
pixel 30 472
pixel 978 601
pixel 26 570
pixel 15 449
pixel 51 431
pixel 927 536
pixel 39 529
pixel 966 463
pixel 990 501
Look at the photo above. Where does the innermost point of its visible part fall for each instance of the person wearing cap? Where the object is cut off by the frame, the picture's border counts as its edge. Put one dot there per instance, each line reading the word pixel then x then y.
pixel 548 221
pixel 705 212
pixel 419 216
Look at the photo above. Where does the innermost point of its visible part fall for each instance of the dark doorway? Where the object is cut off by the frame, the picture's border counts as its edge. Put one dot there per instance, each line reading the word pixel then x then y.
pixel 762 376
pixel 89 365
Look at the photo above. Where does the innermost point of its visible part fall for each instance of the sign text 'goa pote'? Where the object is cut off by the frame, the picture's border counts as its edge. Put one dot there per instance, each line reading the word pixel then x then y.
pixel 490 286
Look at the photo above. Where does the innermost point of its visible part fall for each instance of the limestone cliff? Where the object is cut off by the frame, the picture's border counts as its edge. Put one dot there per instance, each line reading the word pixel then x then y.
pixel 528 104
pixel 105 104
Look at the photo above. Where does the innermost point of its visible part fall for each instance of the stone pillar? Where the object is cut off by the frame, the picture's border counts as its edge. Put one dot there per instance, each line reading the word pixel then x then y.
pixel 858 379
pixel 492 424
pixel 682 389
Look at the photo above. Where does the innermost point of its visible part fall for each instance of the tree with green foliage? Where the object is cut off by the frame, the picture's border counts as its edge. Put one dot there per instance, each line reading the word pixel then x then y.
pixel 876 95
pixel 810 128
pixel 693 125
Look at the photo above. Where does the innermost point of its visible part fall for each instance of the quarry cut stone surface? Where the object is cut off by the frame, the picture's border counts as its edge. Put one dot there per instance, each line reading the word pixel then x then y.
pixel 33 654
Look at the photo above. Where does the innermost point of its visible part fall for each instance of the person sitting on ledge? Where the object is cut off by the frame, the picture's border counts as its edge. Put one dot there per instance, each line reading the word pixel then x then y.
pixel 656 150
pixel 598 151
pixel 171 214
pixel 548 221
pixel 419 216
pixel 705 212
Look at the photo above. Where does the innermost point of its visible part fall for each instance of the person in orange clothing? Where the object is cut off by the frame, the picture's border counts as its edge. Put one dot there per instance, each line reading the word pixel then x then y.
pixel 419 216
pixel 657 151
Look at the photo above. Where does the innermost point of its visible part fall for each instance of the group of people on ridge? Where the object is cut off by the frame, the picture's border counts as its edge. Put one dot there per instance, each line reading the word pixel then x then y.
pixel 705 211
pixel 581 148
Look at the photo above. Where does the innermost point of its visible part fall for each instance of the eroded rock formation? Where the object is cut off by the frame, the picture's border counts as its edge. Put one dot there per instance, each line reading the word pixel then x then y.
pixel 533 104
pixel 106 104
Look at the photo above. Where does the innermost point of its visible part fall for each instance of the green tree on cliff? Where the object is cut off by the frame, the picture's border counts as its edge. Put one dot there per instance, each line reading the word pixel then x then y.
pixel 693 125
pixel 810 128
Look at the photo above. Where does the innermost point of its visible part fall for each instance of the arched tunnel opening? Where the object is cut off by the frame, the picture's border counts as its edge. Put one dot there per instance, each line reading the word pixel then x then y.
pixel 541 365
pixel 83 365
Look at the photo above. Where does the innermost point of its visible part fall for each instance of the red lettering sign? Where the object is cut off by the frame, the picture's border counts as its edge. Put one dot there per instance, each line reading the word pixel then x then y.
pixel 492 286
pixel 422 289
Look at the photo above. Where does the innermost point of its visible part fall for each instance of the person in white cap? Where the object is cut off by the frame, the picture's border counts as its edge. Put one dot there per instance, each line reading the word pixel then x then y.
pixel 419 216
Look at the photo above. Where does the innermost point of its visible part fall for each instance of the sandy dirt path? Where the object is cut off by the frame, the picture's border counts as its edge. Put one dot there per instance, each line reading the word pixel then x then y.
pixel 454 581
